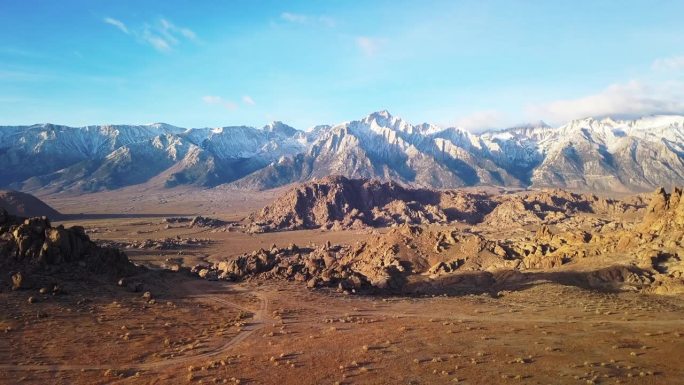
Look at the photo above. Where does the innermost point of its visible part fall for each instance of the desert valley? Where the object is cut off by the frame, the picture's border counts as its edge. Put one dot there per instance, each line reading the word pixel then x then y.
pixel 386 192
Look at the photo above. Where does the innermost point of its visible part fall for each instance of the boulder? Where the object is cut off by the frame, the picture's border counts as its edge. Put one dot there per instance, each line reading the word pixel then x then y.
pixel 18 281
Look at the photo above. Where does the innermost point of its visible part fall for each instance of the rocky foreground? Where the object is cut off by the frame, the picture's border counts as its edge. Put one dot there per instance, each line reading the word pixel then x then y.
pixel 452 242
pixel 33 251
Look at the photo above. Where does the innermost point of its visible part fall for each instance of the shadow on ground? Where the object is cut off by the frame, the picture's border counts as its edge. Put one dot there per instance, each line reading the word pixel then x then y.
pixel 608 279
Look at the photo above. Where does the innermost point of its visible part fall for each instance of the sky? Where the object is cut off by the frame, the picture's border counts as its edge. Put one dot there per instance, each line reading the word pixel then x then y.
pixel 474 64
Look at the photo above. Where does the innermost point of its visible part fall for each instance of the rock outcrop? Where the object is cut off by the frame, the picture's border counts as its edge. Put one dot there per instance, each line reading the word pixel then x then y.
pixel 341 203
pixel 566 235
pixel 660 240
pixel 551 207
pixel 33 243
pixel 664 214
pixel 337 266
pixel 348 203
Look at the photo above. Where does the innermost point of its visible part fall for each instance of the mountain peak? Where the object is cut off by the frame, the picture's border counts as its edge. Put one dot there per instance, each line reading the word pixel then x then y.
pixel 278 127
pixel 536 124
pixel 383 118
pixel 382 113
pixel 164 126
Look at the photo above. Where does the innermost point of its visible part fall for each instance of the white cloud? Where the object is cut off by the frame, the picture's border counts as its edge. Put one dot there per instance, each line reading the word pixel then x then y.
pixel 248 100
pixel 624 100
pixel 166 31
pixel 299 18
pixel 159 43
pixel 369 45
pixel 117 23
pixel 162 36
pixel 481 120
pixel 219 101
pixel 188 33
pixel 294 17
pixel 668 64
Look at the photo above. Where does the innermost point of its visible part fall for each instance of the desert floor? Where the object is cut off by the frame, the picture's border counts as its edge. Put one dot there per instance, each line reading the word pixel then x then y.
pixel 275 332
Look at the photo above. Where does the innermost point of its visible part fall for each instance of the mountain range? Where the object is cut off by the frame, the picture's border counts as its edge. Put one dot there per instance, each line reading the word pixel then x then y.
pixel 588 154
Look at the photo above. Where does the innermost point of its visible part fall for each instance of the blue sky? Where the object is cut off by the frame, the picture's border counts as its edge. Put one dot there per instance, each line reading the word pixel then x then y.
pixel 475 64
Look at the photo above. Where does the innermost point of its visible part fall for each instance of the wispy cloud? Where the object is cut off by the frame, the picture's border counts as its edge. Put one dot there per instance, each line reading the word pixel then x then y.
pixel 299 18
pixel 118 24
pixel 669 63
pixel 248 100
pixel 162 35
pixel 481 120
pixel 219 101
pixel 621 100
pixel 369 46
pixel 293 17
pixel 159 43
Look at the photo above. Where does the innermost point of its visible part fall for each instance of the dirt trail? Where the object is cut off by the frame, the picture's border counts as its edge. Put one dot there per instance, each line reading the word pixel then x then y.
pixel 260 317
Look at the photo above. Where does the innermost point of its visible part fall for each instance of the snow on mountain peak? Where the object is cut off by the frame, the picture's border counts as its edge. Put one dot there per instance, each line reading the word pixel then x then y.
pixel 280 128
pixel 422 153
pixel 382 114
pixel 381 118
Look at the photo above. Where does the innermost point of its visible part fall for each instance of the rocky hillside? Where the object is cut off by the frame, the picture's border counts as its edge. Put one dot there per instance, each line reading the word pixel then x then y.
pixel 25 205
pixel 591 247
pixel 556 206
pixel 588 154
pixel 338 202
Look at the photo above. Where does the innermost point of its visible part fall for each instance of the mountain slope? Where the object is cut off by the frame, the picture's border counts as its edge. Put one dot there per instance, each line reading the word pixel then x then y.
pixel 589 154
pixel 59 158
pixel 613 155
pixel 22 204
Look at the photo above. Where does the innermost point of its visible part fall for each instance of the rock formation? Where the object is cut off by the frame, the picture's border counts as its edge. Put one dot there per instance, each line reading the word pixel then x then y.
pixel 338 266
pixel 587 234
pixel 350 203
pixel 32 244
pixel 340 203
pixel 551 207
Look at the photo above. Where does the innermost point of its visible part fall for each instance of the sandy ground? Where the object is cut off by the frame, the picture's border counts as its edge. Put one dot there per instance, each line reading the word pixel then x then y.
pixel 198 331
pixel 547 334
pixel 140 201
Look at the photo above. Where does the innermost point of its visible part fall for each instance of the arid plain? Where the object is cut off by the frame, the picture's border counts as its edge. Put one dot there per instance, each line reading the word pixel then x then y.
pixel 466 304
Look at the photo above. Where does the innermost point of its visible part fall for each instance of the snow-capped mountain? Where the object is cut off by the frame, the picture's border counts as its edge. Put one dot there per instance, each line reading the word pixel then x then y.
pixel 613 155
pixel 625 155
pixel 93 158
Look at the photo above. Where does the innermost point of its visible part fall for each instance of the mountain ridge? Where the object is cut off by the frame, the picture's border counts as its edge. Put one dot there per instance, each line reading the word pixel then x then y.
pixel 596 154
